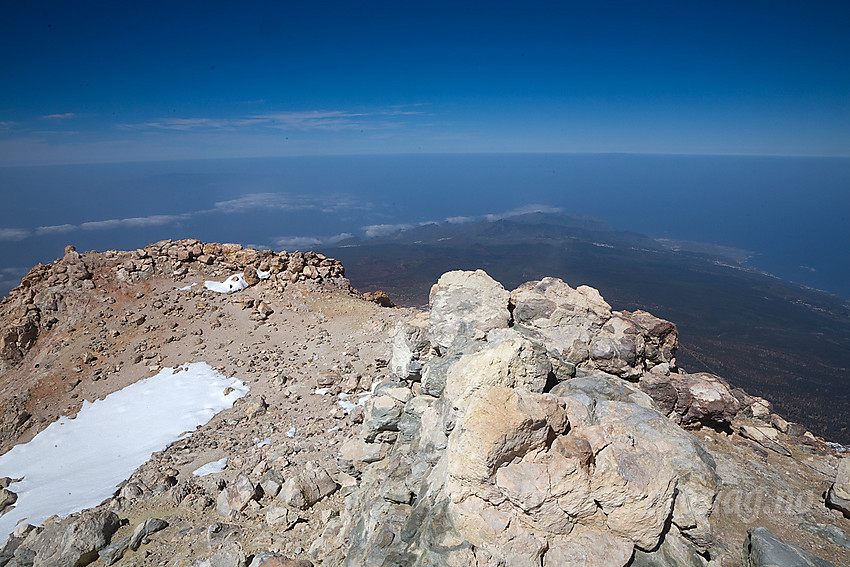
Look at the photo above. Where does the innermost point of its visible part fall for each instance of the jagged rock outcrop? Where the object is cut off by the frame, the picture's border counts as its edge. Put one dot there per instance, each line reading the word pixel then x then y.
pixel 40 302
pixel 522 444
pixel 72 542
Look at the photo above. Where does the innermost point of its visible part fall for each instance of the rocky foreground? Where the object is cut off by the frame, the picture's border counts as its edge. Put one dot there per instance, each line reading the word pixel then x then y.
pixel 530 427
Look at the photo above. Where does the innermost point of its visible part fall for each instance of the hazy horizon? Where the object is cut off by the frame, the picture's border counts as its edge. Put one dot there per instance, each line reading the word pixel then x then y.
pixel 725 123
pixel 789 211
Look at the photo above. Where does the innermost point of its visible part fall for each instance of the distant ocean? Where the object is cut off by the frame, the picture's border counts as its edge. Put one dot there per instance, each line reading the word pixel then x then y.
pixel 792 213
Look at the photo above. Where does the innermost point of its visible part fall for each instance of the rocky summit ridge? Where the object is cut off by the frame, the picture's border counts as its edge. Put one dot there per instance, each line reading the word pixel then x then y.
pixel 500 428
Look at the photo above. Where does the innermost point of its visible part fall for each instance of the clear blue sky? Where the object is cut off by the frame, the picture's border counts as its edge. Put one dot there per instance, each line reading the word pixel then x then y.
pixel 114 81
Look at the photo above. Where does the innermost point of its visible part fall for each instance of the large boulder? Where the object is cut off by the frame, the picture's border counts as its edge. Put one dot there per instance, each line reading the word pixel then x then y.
pixel 518 449
pixel 72 542
pixel 310 484
pixel 579 328
pixel 465 306
pixel 236 496
pixel 410 348
pixel 566 319
pixel 692 398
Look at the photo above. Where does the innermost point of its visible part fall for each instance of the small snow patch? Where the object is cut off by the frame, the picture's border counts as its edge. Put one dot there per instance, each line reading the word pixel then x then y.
pixel 347 405
pixel 291 432
pixel 322 391
pixel 839 447
pixel 187 287
pixel 211 468
pixel 234 283
pixel 264 442
pixel 263 275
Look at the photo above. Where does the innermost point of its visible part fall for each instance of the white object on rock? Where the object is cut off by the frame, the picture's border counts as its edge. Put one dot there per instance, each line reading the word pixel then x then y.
pixel 211 468
pixel 234 283
pixel 347 405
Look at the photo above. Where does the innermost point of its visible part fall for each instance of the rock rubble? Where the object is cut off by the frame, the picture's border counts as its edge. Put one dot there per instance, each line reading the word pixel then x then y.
pixel 501 428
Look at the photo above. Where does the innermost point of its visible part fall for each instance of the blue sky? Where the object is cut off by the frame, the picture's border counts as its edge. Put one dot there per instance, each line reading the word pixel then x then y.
pixel 109 81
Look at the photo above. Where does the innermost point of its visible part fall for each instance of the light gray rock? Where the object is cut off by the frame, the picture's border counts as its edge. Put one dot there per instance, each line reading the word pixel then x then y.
pixel 465 306
pixel 489 469
pixel 309 485
pixel 145 529
pixel 114 552
pixel 231 555
pixel 281 517
pixel 382 413
pixel 838 496
pixel 674 551
pixel 236 496
pixel 410 348
pixel 271 482
pixel 692 398
pixel 767 437
pixel 828 532
pixel 567 320
pixel 74 541
pixel 764 549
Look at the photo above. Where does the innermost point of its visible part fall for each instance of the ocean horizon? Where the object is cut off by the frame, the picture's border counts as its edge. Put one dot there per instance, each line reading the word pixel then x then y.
pixel 790 213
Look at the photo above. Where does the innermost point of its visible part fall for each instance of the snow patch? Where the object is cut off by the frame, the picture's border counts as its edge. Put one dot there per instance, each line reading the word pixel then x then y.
pixel 211 468
pixel 234 283
pixel 76 463
pixel 347 405
pixel 839 447
pixel 187 287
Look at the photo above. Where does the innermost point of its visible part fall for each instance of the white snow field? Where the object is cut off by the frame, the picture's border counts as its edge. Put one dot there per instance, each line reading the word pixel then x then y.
pixel 77 463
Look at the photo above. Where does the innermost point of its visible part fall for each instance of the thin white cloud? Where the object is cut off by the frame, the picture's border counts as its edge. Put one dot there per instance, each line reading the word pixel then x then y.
pixel 135 222
pixel 14 233
pixel 255 201
pixel 524 210
pixel 313 120
pixel 308 120
pixel 307 242
pixel 61 116
pixel 54 229
pixel 374 230
pixel 252 202
pixel 460 220
pixel 292 202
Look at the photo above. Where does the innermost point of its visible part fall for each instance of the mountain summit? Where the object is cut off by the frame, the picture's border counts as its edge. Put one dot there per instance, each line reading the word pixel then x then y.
pixel 536 426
